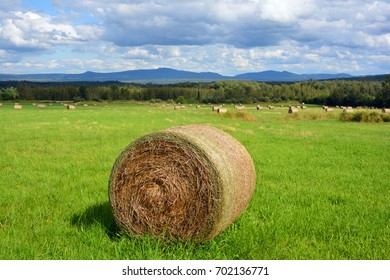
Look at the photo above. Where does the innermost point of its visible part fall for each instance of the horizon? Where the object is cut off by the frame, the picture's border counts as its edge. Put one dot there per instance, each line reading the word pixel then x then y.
pixel 197 72
pixel 224 37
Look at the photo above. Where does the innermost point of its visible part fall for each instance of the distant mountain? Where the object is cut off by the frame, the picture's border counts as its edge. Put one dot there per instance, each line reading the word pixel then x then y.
pixel 275 76
pixel 382 78
pixel 268 76
pixel 164 75
pixel 151 75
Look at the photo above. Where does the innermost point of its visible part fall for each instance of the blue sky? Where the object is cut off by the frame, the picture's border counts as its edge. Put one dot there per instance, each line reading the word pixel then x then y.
pixel 224 36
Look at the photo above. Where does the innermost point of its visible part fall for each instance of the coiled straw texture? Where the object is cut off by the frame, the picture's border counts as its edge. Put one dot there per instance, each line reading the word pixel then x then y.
pixel 186 182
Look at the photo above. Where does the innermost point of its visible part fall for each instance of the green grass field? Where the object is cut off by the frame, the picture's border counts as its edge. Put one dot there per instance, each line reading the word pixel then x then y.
pixel 322 192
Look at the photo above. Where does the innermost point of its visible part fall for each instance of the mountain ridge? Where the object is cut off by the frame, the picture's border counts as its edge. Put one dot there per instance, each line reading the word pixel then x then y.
pixel 169 74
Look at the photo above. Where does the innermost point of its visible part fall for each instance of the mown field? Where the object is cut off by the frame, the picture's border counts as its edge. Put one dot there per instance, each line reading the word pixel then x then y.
pixel 322 192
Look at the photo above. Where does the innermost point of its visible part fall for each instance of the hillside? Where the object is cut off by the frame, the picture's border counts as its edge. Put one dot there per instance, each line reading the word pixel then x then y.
pixel 168 75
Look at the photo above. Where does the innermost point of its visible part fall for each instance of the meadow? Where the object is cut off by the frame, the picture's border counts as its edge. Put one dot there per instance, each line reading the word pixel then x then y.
pixel 322 191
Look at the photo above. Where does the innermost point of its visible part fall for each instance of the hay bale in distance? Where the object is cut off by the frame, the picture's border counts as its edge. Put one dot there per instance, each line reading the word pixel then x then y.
pixel 348 110
pixel 41 106
pixel 71 107
pixel 17 106
pixel 1 104
pixel 328 110
pixel 292 110
pixel 222 110
pixel 258 107
pixel 386 111
pixel 215 108
pixel 186 182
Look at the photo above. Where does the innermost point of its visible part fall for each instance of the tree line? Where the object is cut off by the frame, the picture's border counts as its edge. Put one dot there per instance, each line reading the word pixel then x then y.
pixel 331 92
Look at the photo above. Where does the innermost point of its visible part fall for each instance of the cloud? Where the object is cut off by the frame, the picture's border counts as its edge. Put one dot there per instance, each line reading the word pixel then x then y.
pixel 139 53
pixel 238 23
pixel 285 11
pixel 30 31
pixel 242 24
pixel 6 5
pixel 226 36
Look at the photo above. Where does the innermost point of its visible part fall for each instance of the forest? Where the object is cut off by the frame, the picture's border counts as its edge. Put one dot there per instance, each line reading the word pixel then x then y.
pixel 330 92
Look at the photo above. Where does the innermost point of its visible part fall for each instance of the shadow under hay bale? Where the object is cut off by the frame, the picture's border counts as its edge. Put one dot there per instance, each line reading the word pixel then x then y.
pixel 188 182
pixel 100 214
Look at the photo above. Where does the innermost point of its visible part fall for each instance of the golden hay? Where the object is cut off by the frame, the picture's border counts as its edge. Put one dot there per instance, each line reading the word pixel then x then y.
pixel 386 111
pixel 258 107
pixel 186 182
pixel 222 110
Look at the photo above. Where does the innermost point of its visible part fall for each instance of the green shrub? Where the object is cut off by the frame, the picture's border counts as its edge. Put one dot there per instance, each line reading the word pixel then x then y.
pixel 357 117
pixel 385 117
pixel 375 117
pixel 346 117
pixel 239 115
pixel 368 117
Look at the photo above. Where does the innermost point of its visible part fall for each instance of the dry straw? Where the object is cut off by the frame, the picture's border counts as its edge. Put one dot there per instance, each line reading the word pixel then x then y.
pixel 222 110
pixel 187 182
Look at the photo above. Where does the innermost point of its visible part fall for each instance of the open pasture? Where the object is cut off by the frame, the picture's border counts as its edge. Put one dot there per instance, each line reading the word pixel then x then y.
pixel 322 191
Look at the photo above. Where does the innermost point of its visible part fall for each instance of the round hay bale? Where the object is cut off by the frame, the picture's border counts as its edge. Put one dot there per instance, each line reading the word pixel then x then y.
pixel 222 110
pixel 186 182
pixel 384 110
pixel 328 110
